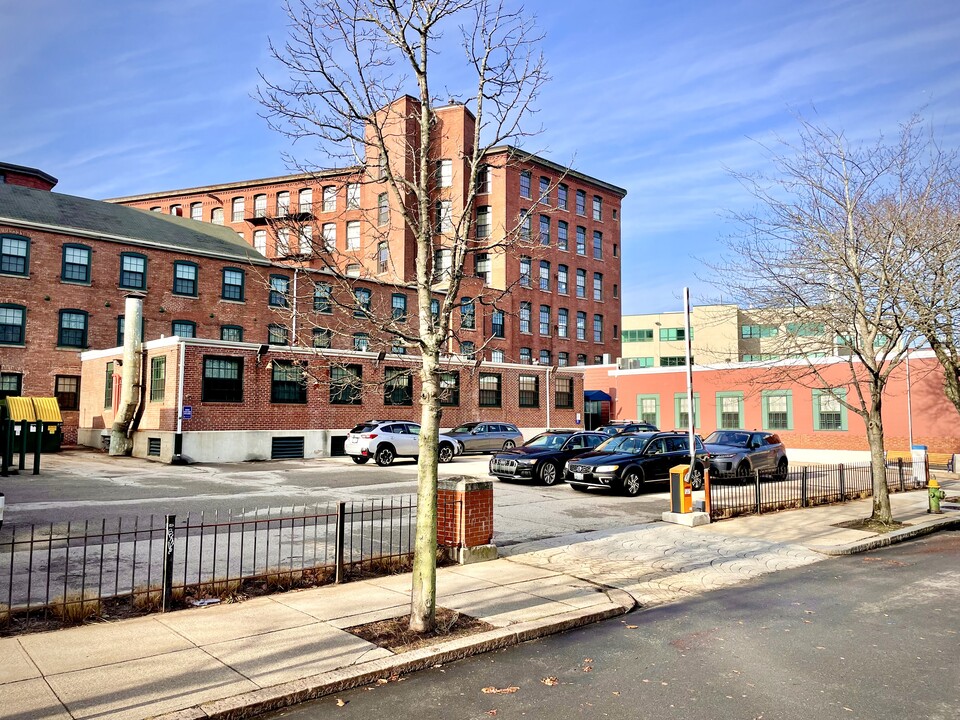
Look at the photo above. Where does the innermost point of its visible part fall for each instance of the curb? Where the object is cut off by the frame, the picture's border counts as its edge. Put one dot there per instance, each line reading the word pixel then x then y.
pixel 276 697
pixel 891 538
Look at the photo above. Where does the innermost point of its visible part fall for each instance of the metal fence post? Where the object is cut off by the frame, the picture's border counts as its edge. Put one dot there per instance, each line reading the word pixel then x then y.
pixel 804 497
pixel 903 485
pixel 38 447
pixel 5 443
pixel 22 464
pixel 756 480
pixel 341 525
pixel 169 522
pixel 843 490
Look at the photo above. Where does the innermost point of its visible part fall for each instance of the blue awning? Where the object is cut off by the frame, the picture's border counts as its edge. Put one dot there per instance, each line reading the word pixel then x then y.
pixel 596 396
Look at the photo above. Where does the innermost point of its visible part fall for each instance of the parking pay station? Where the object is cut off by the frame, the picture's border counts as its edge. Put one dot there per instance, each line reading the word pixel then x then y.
pixel 681 492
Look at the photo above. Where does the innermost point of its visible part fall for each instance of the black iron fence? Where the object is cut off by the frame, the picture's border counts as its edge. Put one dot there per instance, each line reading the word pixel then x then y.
pixel 733 495
pixel 149 561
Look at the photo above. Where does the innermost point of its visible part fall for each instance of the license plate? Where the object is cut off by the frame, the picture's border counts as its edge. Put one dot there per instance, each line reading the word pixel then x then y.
pixel 578 476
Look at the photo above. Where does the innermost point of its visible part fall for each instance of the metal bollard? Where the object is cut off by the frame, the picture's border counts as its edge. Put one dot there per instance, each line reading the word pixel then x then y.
pixel 341 526
pixel 169 521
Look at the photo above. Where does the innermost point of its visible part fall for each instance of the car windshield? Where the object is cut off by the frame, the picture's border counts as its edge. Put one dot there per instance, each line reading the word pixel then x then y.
pixel 725 437
pixel 547 440
pixel 465 428
pixel 623 444
pixel 365 428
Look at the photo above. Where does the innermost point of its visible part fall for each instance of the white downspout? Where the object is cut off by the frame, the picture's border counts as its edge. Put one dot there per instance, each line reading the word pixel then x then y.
pixel 293 306
pixel 549 368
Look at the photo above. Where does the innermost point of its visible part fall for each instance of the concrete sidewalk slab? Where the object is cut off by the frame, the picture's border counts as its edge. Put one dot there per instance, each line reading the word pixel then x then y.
pixel 345 601
pixel 253 617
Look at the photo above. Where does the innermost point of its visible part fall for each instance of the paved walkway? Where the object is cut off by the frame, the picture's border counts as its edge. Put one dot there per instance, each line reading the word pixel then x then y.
pixel 231 661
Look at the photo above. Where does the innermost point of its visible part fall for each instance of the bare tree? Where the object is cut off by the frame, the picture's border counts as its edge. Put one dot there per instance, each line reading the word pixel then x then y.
pixel 823 260
pixel 358 85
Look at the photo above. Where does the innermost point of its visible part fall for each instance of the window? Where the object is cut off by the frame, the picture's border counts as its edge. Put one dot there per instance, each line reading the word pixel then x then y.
pixel 563 392
pixel 383 167
pixel 581 202
pixel 236 212
pixel 468 348
pixel 616 249
pixel 648 409
pixel 108 386
pixel 758 331
pixel 287 382
pixel 674 361
pixel 346 384
pixel 133 271
pixel 434 309
pixel 277 335
pixel 121 327
pixel 581 240
pixel 581 359
pixel 445 217
pixel 383 209
pixel 75 267
pixel 353 270
pixel 321 298
pixel 353 235
pixel 222 379
pixel 481 265
pixel 328 232
pixel 637 336
pixel 525 312
pixel 544 197
pixel 597 207
pixel 442 264
pixel 581 325
pixel 231 333
pixel 232 287
pixel 483 221
pixel 525 184
pixel 196 211
pixel 496 356
pixel 305 240
pixel 260 205
pixel 562 279
pixel 397 347
pixel 216 216
pixel 397 387
pixel 598 328
pixel 184 328
pixel 562 243
pixel 398 307
pixel 730 410
pixel 305 199
pixel 529 391
pixel 322 338
pixel 563 359
pixel 681 410
pixel 544 275
pixel 634 363
pixel 581 283
pixel 11 384
pixel 496 323
pixel 73 329
pixel 673 334
pixel 279 287
pixel 546 358
pixel 158 378
pixel 563 319
pixel 184 278
pixel 777 408
pixel 329 198
pixel 525 270
pixel 805 329
pixel 156 209
pixel 444 173
pixel 468 316
pixel 449 389
pixel 526 225
pixel 383 256
pixel 283 241
pixel 13 321
pixel 761 357
pixel 526 356
pixel 66 389
pixel 829 413
pixel 598 286
pixel 597 245
pixel 562 196
pixel 616 293
pixel 283 203
pixel 361 299
pixel 489 384
pixel 484 180
pixel 260 241
pixel 544 319
pixel 353 196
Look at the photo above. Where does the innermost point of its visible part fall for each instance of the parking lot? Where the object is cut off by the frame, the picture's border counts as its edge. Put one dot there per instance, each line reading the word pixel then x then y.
pixel 83 485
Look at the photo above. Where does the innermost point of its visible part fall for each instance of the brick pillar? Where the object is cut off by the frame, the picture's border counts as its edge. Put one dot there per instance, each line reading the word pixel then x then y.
pixel 465 519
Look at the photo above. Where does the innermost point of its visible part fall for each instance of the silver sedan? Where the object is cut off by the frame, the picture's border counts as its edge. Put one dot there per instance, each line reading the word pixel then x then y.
pixel 486 437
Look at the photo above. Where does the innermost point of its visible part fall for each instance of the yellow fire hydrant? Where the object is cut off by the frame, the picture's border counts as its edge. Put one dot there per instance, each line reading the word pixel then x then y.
pixel 936 495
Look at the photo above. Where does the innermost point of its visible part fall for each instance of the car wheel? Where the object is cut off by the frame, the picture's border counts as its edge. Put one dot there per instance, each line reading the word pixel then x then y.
pixel 509 445
pixel 782 469
pixel 632 483
pixel 359 459
pixel 696 477
pixel 445 453
pixel 743 472
pixel 578 487
pixel 385 455
pixel 548 473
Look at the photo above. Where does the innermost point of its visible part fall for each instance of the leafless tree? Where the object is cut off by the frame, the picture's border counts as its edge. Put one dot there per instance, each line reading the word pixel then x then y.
pixel 358 83
pixel 824 259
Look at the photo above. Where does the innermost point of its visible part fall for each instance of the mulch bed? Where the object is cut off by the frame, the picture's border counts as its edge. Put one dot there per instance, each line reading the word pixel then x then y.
pixel 868 525
pixel 395 634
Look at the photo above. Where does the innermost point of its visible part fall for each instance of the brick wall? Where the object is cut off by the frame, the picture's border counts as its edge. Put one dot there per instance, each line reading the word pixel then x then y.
pixel 464 512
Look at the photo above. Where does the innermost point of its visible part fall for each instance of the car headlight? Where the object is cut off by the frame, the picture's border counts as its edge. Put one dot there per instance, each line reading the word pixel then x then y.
pixel 724 456
pixel 605 468
pixel 526 461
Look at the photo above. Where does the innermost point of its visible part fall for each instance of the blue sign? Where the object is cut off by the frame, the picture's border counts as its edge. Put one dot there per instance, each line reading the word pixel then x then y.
pixel 187 412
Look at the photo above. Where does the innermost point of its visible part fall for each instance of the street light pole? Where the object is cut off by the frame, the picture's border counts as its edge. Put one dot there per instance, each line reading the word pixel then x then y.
pixel 690 410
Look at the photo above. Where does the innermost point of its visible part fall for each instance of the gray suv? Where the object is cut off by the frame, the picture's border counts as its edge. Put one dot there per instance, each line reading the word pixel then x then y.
pixel 486 437
pixel 740 453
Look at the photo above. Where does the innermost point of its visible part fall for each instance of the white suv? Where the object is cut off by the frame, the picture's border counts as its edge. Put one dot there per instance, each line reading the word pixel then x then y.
pixel 386 440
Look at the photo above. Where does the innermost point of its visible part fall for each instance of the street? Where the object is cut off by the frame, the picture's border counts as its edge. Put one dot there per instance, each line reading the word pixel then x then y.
pixel 871 636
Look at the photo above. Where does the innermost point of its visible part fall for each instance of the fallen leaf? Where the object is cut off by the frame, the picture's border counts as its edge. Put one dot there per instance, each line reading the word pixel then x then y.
pixel 491 690
pixel 551 681
pixel 588 668
pixel 632 627
pixel 341 702
pixel 491 712
pixel 382 681
pixel 588 660
pixel 616 692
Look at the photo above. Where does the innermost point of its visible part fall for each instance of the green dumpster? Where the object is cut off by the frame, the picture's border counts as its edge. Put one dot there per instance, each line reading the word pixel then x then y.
pixel 32 410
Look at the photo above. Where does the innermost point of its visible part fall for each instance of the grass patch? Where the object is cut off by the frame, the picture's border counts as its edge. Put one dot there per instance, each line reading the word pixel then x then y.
pixel 395 634
pixel 75 608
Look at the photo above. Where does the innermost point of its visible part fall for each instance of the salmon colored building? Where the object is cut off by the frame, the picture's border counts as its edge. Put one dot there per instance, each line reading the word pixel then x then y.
pixel 812 420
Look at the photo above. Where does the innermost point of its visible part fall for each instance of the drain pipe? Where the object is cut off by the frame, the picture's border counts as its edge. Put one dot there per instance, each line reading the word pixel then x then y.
pixel 178 437
pixel 131 387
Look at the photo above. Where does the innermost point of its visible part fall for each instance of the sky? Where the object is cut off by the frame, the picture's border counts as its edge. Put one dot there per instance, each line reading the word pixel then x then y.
pixel 665 99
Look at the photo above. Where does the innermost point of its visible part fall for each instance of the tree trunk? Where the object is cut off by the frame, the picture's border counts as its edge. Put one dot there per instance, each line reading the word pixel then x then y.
pixel 878 465
pixel 423 598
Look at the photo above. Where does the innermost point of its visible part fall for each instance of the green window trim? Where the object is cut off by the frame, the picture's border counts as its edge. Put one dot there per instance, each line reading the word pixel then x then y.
pixel 643 417
pixel 234 291
pixel 841 395
pixel 186 278
pixel 73 269
pixel 12 262
pixel 765 397
pixel 158 378
pixel 720 413
pixel 678 400
pixel 130 277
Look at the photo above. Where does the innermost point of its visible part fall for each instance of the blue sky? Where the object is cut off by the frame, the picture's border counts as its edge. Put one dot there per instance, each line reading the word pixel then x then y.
pixel 664 99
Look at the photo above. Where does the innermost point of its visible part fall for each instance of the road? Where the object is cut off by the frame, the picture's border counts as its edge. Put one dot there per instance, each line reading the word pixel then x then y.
pixel 871 637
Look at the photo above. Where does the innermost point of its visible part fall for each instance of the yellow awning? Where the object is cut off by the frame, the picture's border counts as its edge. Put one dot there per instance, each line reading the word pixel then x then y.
pixel 47 409
pixel 21 408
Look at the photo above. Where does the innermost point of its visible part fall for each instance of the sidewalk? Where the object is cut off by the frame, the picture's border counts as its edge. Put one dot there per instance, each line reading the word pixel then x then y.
pixel 240 660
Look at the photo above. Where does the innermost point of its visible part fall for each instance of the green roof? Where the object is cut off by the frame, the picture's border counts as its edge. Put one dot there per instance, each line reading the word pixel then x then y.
pixel 44 210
